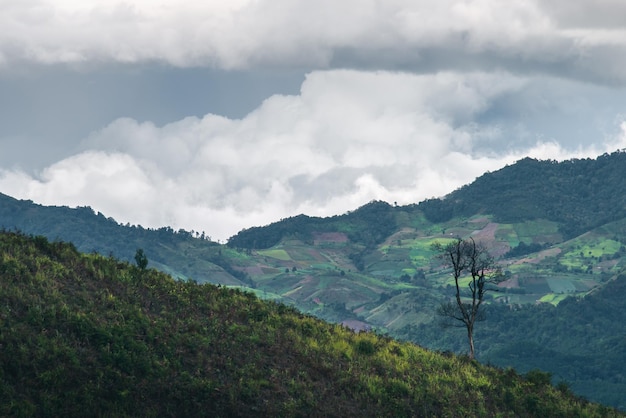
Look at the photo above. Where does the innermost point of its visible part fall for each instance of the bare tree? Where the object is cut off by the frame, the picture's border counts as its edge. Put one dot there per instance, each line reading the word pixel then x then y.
pixel 468 259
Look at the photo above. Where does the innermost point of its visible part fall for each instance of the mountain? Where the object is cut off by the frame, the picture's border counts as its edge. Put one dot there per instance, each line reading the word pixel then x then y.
pixel 181 253
pixel 558 231
pixel 578 195
pixel 88 334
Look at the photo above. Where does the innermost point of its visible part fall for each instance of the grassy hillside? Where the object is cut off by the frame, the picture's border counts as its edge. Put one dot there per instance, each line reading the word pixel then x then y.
pixel 558 231
pixel 581 341
pixel 401 284
pixel 182 254
pixel 87 334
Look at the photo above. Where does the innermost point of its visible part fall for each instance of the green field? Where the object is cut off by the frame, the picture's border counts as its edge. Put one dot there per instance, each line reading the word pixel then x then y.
pixel 560 286
pixel 553 298
pixel 278 254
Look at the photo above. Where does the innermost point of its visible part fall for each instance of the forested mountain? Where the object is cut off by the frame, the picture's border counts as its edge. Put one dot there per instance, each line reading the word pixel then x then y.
pixel 181 253
pixel 579 194
pixel 557 231
pixel 86 334
pixel 369 225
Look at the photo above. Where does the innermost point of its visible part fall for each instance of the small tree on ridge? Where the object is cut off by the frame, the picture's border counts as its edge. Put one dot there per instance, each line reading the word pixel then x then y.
pixel 141 259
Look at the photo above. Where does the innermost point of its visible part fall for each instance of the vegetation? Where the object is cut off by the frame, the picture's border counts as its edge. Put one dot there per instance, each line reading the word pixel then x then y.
pixel 557 231
pixel 579 194
pixel 524 249
pixel 181 253
pixel 141 259
pixel 89 333
pixel 580 341
pixel 369 225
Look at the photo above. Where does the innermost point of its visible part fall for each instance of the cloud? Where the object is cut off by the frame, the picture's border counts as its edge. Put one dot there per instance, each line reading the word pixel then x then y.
pixel 607 14
pixel 571 38
pixel 349 137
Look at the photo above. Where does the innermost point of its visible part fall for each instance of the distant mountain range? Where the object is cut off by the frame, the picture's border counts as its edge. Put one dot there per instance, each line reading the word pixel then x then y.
pixel 558 229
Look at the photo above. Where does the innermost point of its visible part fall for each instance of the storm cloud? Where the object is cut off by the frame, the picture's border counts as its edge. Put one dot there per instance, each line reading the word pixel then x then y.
pixel 576 39
pixel 343 102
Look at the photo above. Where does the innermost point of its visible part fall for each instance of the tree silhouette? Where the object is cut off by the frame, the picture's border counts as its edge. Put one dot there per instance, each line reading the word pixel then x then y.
pixel 467 258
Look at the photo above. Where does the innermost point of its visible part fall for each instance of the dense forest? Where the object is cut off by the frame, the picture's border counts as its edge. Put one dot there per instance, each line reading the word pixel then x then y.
pixel 579 194
pixel 88 334
pixel 70 225
pixel 368 225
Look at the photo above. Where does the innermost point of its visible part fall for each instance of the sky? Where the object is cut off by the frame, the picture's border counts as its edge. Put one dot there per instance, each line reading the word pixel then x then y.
pixel 217 116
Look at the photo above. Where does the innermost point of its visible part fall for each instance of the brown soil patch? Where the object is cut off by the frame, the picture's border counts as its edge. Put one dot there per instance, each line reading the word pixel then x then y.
pixel 508 284
pixel 321 237
pixel 551 252
pixel 487 233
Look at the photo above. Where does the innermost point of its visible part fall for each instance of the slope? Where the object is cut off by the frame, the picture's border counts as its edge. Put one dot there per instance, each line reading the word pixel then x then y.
pixel 581 341
pixel 89 334
pixel 181 253
pixel 578 194
pixel 557 229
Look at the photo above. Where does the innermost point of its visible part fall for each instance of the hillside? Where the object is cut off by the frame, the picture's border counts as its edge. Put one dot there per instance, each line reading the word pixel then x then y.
pixel 401 283
pixel 581 341
pixel 578 195
pixel 558 231
pixel 181 253
pixel 85 333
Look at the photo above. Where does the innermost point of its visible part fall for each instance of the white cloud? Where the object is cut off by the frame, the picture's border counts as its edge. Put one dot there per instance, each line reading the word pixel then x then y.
pixel 348 138
pixel 546 36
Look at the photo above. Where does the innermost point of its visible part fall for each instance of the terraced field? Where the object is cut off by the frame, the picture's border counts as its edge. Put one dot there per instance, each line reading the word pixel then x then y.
pixel 402 280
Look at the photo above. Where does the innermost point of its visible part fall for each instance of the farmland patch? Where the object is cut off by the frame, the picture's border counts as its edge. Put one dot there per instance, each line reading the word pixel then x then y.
pixel 535 285
pixel 278 254
pixel 508 234
pixel 538 231
pixel 329 237
pixel 553 298
pixel 559 285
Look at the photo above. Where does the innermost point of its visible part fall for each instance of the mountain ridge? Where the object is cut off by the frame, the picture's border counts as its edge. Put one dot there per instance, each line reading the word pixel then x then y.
pixel 374 267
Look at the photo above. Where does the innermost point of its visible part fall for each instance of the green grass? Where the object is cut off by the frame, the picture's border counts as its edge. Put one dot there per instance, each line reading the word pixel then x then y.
pixel 278 254
pixel 553 298
pixel 509 234
pixel 529 230
pixel 89 333
pixel 422 252
pixel 582 253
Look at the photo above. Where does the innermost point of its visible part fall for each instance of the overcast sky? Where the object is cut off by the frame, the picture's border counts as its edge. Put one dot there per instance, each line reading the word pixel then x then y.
pixel 220 115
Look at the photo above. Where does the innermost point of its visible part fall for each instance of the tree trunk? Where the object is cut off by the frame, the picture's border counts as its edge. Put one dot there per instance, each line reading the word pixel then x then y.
pixel 470 336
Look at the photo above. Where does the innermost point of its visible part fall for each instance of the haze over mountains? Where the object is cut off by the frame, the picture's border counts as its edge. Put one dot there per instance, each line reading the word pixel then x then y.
pixel 558 230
